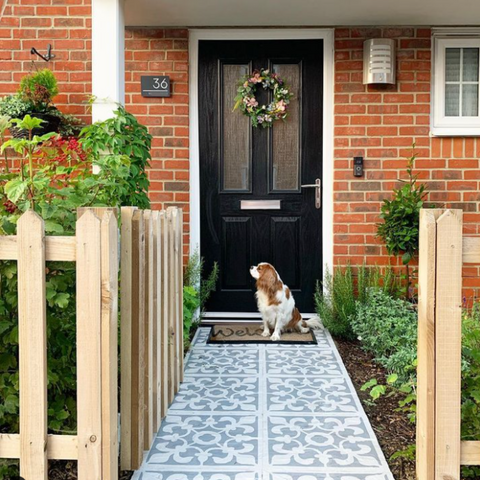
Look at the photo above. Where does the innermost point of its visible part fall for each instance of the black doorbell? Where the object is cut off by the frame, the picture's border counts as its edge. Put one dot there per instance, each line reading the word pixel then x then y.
pixel 358 166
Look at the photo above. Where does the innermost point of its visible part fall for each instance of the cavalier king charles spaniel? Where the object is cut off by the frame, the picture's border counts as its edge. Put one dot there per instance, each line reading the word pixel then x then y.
pixel 276 304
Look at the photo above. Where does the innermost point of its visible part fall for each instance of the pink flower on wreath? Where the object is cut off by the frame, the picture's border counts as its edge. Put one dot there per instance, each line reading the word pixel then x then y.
pixel 256 78
pixel 251 102
pixel 281 106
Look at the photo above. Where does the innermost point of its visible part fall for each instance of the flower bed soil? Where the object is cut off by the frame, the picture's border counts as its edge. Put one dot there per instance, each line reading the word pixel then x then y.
pixel 394 430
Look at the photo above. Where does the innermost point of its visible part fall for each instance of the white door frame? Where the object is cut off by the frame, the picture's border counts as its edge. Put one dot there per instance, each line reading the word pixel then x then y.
pixel 325 34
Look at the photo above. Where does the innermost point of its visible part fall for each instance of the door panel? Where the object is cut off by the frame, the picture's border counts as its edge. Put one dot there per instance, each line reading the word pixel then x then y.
pixel 238 162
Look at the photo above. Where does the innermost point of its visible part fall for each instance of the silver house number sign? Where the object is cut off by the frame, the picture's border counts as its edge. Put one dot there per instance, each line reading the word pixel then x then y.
pixel 155 86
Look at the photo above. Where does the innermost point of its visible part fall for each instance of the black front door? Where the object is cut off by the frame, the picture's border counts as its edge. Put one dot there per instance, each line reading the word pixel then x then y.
pixel 253 206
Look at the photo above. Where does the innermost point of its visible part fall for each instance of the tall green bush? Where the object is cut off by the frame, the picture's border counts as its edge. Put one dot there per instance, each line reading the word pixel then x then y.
pixel 54 178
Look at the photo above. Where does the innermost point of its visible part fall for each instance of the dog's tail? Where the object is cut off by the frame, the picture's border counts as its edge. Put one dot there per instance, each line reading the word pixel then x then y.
pixel 315 323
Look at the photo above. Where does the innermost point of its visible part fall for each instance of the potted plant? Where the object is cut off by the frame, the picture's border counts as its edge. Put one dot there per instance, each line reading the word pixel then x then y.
pixel 35 98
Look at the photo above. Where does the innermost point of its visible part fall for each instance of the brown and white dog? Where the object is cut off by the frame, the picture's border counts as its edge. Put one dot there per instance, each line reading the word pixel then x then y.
pixel 276 304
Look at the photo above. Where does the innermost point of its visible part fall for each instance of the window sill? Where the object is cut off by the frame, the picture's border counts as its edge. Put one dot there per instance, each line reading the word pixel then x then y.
pixel 455 131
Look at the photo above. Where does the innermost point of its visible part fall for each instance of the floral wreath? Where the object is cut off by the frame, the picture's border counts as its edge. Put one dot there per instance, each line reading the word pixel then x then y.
pixel 263 115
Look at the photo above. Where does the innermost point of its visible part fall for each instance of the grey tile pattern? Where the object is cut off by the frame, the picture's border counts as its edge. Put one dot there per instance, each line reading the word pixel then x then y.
pixel 265 412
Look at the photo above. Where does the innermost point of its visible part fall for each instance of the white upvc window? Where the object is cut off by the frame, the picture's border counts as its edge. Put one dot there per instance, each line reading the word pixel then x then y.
pixel 456 92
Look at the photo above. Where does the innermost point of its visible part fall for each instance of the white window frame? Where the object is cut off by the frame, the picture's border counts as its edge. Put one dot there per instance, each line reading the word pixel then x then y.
pixel 441 124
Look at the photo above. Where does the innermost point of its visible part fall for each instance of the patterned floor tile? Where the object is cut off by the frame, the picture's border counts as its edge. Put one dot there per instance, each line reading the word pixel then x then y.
pixel 335 442
pixel 219 394
pixel 172 475
pixel 300 361
pixel 327 476
pixel 310 395
pixel 206 440
pixel 228 360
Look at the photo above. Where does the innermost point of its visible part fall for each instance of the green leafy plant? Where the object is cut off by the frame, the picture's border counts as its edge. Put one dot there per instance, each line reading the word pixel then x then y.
pixel 13 106
pixel 337 298
pixel 70 126
pixel 401 218
pixel 38 89
pixel 122 136
pixel 54 178
pixel 196 292
pixel 387 326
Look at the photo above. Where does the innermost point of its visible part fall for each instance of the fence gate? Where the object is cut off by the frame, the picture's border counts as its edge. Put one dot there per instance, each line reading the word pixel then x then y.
pixel 443 251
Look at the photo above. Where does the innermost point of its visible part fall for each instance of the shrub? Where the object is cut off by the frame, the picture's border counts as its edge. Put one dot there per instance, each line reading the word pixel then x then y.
pixel 401 218
pixel 38 89
pixel 387 327
pixel 54 179
pixel 122 136
pixel 336 303
pixel 196 292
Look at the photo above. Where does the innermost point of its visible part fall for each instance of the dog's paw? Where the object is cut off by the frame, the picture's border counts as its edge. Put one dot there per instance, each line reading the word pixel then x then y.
pixel 266 333
pixel 275 337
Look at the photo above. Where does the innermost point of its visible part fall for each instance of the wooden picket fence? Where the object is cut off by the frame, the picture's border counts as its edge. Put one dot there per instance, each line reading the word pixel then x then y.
pixel 151 325
pixel 443 251
pixel 151 337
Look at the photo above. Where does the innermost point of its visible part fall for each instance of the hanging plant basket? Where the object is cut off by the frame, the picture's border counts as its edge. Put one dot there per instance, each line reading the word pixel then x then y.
pixel 51 123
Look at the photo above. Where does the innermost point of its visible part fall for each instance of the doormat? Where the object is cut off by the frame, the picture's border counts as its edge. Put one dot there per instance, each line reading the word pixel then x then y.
pixel 252 333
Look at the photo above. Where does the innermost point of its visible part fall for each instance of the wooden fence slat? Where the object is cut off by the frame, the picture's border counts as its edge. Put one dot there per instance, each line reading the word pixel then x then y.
pixel 109 238
pixel 178 223
pixel 426 346
pixel 32 338
pixel 470 453
pixel 89 398
pixel 138 338
pixel 59 447
pixel 157 290
pixel 164 326
pixel 126 339
pixel 148 319
pixel 448 336
pixel 171 304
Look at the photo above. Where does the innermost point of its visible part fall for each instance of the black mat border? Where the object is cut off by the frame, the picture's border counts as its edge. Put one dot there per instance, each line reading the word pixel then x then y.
pixel 259 342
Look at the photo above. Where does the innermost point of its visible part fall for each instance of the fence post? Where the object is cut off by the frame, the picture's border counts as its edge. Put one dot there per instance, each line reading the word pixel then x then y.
pixel 89 398
pixel 32 338
pixel 426 346
pixel 178 223
pixel 171 303
pixel 126 338
pixel 448 340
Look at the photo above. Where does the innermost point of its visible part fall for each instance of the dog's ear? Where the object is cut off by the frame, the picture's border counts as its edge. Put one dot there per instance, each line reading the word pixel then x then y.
pixel 268 279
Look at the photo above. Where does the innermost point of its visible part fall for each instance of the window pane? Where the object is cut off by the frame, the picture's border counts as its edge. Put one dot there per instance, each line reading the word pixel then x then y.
pixel 452 100
pixel 235 133
pixel 470 64
pixel 286 135
pixel 452 64
pixel 470 100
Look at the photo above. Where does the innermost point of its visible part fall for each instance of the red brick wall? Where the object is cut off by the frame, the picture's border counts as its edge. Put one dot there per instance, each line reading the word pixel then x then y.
pixel 381 123
pixel 66 25
pixel 162 52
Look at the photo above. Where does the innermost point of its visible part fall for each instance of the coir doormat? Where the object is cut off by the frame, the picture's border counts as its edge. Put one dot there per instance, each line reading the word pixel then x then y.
pixel 252 333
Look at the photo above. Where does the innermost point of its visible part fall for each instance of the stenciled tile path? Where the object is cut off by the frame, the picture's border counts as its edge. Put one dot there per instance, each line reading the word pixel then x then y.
pixel 265 412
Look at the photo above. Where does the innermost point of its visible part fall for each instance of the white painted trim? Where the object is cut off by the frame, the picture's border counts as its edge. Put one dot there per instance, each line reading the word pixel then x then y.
pixel 108 57
pixel 325 34
pixel 442 125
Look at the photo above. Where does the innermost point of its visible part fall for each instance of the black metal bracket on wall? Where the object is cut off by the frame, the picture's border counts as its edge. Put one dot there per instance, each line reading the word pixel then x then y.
pixel 49 56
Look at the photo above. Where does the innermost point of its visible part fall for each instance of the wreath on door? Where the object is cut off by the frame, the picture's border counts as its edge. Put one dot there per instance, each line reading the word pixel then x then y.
pixel 263 115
